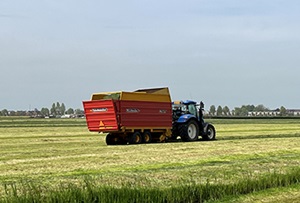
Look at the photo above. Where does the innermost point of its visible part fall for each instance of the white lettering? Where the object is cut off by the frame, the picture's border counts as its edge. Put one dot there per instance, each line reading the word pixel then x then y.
pixel 100 110
pixel 132 110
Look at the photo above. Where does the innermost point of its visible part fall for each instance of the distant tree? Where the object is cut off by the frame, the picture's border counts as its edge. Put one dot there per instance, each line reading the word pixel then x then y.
pixel 45 112
pixel 79 112
pixel 4 112
pixel 241 111
pixel 233 112
pixel 212 110
pixel 53 110
pixel 70 111
pixel 261 108
pixel 245 109
pixel 62 109
pixel 283 111
pixel 219 111
pixel 226 110
pixel 248 108
pixel 238 111
pixel 57 108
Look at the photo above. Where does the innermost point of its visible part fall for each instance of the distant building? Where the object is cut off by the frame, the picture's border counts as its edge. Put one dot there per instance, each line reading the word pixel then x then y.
pixel 276 112
pixel 264 113
pixel 293 112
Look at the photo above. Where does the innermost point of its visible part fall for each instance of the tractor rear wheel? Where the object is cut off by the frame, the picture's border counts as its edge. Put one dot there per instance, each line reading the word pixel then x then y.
pixel 135 138
pixel 189 131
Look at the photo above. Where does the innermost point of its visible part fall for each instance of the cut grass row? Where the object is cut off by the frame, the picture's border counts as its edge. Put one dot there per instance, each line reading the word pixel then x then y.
pixel 73 157
pixel 59 154
pixel 288 194
pixel 25 122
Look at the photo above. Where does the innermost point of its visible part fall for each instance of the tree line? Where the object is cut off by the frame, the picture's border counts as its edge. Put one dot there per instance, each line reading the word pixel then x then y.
pixel 57 110
pixel 250 110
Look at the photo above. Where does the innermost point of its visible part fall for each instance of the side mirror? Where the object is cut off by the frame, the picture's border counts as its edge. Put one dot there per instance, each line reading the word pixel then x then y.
pixel 201 105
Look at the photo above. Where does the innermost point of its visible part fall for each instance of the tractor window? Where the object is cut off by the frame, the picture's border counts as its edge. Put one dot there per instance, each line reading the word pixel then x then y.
pixel 192 109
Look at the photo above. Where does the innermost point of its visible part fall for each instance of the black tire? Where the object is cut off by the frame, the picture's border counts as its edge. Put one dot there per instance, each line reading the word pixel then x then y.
pixel 122 141
pixel 210 133
pixel 146 137
pixel 189 131
pixel 111 139
pixel 175 132
pixel 135 138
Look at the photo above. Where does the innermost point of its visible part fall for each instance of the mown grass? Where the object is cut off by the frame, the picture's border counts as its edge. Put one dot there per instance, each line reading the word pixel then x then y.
pixel 53 153
pixel 289 194
pixel 26 122
pixel 91 191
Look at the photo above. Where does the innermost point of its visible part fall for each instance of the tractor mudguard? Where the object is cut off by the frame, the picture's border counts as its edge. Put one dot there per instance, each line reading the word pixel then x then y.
pixel 184 118
pixel 209 132
pixel 205 125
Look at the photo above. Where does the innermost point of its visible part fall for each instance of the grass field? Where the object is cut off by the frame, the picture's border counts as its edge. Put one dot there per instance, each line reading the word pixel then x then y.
pixel 54 155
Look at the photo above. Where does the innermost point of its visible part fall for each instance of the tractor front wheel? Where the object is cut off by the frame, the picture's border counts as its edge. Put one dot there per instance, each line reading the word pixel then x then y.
pixel 210 133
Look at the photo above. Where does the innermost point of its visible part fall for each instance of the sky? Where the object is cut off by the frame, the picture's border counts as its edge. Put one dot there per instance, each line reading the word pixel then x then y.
pixel 221 52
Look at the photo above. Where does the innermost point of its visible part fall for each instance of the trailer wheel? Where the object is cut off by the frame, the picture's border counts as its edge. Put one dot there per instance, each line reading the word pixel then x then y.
pixel 146 137
pixel 210 133
pixel 111 139
pixel 122 141
pixel 135 138
pixel 189 131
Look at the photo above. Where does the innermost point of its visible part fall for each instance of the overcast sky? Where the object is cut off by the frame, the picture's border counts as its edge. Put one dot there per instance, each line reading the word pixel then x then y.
pixel 224 52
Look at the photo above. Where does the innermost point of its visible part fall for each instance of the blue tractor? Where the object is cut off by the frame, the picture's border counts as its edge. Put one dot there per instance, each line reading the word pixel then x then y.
pixel 188 122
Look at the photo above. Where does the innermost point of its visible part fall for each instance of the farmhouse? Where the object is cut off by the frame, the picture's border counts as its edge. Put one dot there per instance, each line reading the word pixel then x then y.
pixel 293 112
pixel 276 112
pixel 264 113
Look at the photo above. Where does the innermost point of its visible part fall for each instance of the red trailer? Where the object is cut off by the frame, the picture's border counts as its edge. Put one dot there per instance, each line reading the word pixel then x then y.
pixel 136 117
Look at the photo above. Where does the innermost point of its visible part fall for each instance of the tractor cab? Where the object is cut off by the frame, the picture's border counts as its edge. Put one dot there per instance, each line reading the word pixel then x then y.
pixel 188 107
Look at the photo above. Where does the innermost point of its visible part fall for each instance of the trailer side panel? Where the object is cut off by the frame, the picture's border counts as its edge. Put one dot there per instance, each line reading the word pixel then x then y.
pixel 144 114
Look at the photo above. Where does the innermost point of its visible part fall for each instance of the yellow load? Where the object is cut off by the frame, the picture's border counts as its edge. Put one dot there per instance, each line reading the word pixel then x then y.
pixel 151 95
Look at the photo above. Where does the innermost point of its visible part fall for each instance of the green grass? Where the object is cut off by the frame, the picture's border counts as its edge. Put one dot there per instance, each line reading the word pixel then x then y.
pixel 48 154
pixel 91 191
pixel 289 194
